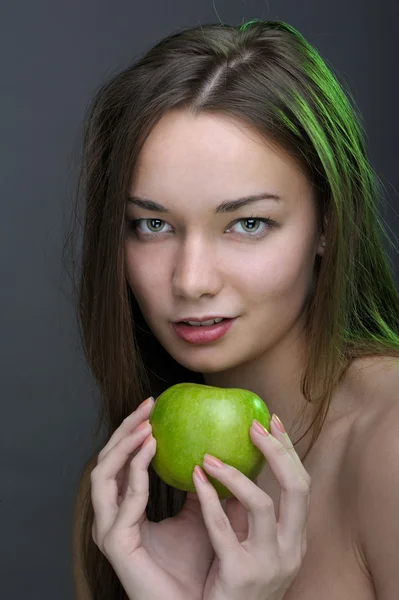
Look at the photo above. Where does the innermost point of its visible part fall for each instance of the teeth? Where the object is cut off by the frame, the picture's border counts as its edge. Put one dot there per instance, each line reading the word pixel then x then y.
pixel 204 323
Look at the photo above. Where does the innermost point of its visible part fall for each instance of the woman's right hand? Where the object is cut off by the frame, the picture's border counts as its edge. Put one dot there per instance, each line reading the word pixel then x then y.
pixel 169 559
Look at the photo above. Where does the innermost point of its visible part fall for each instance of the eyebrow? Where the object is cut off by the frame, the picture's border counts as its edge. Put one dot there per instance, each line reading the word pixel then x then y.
pixel 226 207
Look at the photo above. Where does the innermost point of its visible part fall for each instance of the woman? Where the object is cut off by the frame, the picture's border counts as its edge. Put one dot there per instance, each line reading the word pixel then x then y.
pixel 176 149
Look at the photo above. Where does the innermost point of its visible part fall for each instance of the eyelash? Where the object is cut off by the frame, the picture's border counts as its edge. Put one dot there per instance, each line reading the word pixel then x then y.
pixel 135 222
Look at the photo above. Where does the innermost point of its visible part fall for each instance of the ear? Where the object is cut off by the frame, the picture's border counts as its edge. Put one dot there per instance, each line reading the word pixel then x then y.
pixel 320 248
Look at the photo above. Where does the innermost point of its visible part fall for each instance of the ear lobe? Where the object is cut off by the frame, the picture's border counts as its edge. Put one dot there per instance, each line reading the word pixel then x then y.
pixel 321 247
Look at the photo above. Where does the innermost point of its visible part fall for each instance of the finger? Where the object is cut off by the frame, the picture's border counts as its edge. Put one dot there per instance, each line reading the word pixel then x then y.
pixel 136 498
pixel 104 488
pixel 283 437
pixel 286 441
pixel 221 534
pixel 128 425
pixel 262 526
pixel 294 494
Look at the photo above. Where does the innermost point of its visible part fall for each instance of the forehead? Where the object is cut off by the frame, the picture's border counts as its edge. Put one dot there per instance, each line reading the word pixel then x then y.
pixel 213 156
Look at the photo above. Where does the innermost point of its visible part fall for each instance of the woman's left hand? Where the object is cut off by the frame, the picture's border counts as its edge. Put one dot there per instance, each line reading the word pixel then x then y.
pixel 256 558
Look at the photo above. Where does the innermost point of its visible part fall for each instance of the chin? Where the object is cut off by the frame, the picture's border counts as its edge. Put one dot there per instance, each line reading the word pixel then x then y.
pixel 208 360
pixel 201 366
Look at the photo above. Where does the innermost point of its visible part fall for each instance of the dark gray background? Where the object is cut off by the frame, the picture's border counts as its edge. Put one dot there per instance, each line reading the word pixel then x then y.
pixel 55 55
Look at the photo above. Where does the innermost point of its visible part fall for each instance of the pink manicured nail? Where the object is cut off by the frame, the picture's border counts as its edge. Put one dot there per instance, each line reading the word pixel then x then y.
pixel 212 461
pixel 143 425
pixel 200 474
pixel 278 423
pixel 259 428
pixel 149 400
pixel 147 441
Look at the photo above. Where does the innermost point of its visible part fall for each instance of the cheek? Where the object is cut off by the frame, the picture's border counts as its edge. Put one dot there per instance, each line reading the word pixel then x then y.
pixel 282 278
pixel 284 275
pixel 144 275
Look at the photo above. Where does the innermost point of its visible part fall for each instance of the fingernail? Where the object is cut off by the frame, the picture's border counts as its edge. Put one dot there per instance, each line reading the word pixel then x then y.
pixel 149 400
pixel 199 473
pixel 147 441
pixel 278 423
pixel 259 428
pixel 143 425
pixel 212 461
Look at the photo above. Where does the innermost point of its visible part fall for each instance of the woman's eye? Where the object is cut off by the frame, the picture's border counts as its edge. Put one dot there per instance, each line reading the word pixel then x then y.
pixel 251 226
pixel 153 227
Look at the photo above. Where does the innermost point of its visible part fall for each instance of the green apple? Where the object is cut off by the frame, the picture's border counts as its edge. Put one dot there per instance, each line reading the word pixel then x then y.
pixel 189 420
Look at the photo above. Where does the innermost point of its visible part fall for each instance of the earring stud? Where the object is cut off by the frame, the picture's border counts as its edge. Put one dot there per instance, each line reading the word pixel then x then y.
pixel 323 243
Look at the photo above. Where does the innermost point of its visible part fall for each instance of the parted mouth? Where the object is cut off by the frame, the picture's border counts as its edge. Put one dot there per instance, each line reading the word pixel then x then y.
pixel 207 323
pixel 202 319
pixel 203 323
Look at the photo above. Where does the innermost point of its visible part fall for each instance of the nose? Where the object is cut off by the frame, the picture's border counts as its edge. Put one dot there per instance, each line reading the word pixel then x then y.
pixel 196 272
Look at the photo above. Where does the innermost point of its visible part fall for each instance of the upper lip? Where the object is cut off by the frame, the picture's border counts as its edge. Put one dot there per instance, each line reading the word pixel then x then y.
pixel 201 319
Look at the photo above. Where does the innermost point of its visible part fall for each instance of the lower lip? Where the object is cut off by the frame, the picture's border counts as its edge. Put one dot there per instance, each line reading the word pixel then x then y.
pixel 203 335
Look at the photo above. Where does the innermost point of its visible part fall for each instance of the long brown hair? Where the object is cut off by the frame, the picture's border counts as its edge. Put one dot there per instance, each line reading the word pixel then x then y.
pixel 267 75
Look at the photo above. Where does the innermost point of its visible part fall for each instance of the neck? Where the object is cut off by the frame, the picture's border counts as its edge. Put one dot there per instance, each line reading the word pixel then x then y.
pixel 276 378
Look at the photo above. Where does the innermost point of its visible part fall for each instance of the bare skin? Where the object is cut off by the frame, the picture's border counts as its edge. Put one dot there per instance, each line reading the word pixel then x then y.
pixel 187 258
pixel 334 565
pixel 170 559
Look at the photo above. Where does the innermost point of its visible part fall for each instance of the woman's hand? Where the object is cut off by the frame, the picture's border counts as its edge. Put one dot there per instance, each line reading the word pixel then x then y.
pixel 257 558
pixel 169 559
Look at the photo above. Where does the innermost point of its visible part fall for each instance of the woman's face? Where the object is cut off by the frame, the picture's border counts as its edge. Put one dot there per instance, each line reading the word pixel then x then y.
pixel 195 261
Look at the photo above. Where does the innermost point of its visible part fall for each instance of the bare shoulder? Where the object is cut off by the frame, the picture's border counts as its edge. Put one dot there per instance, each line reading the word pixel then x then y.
pixel 370 422
pixel 372 472
pixel 375 403
pixel 374 372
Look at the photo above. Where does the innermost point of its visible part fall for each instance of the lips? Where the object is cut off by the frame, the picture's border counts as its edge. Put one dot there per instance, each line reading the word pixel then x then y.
pixel 204 323
pixel 203 334
pixel 202 319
